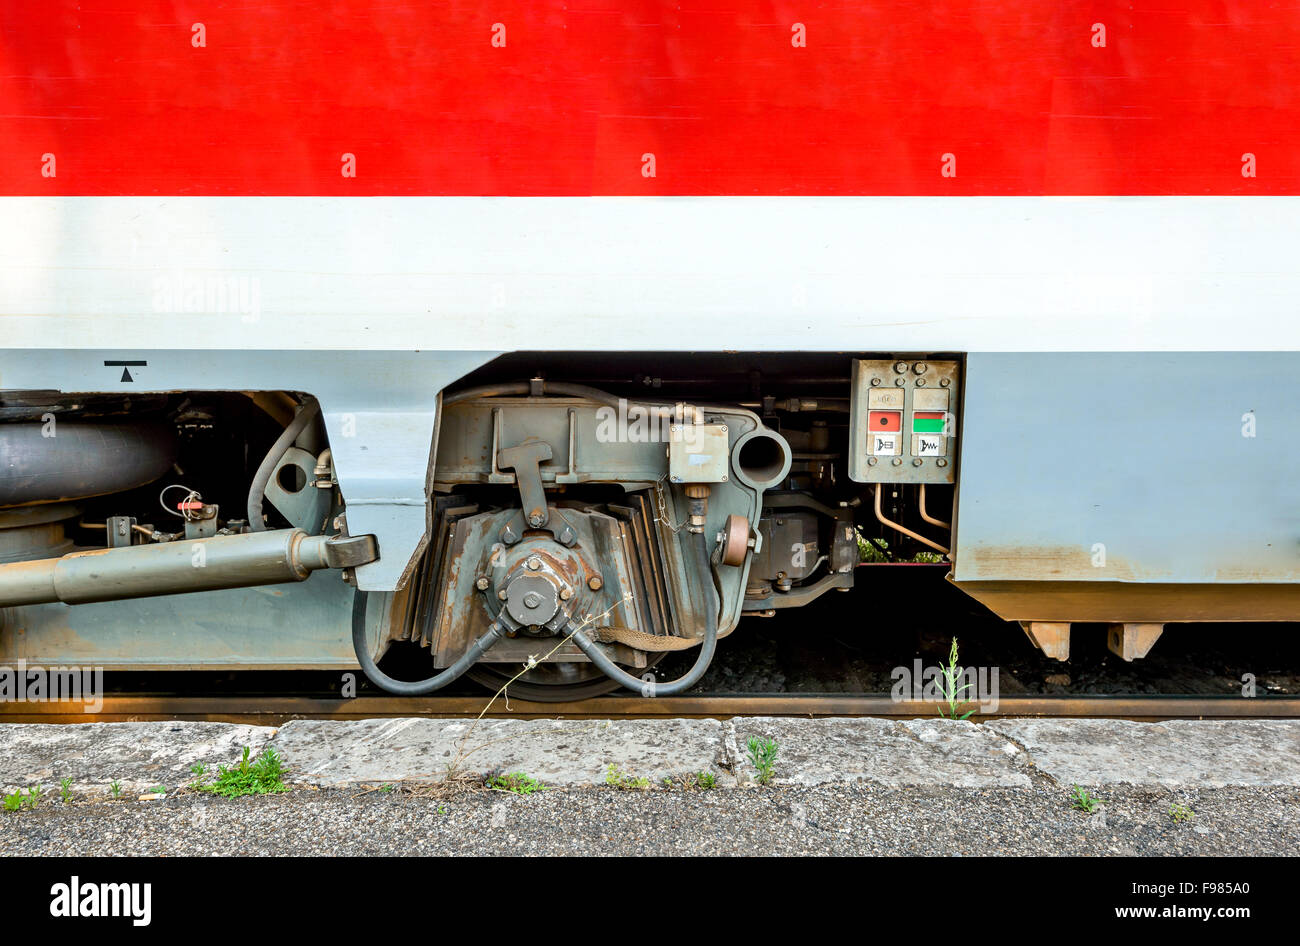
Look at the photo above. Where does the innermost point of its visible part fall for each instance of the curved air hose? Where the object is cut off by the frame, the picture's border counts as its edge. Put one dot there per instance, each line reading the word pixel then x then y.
pixel 257 492
pixel 418 687
pixel 597 656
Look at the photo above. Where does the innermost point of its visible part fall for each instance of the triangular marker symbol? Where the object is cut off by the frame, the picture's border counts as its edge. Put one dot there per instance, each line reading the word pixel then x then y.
pixel 126 375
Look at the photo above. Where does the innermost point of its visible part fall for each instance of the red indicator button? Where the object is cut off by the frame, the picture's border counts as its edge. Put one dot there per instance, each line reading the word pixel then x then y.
pixel 884 421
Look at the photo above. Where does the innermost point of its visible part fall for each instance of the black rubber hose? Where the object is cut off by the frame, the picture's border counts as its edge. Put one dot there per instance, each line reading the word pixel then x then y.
pixel 257 492
pixel 707 646
pixel 417 687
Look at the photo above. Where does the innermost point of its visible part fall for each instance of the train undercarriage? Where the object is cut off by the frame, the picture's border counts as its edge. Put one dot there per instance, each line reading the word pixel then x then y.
pixel 585 516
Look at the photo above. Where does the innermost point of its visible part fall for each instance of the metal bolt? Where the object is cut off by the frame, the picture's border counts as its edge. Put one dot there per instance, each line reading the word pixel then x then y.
pixel 534 520
pixel 920 382
pixel 898 461
pixel 899 382
pixel 594 583
pixel 901 367
pixel 920 367
pixel 566 593
pixel 502 594
pixel 917 462
pixel 723 428
pixel 482 584
pixel 941 461
pixel 871 461
pixel 724 477
pixel 875 382
pixel 944 382
pixel 533 564
pixel 532 599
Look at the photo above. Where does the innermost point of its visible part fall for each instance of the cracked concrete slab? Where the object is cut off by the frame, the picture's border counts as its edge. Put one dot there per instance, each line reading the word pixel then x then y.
pixel 893 753
pixel 1175 754
pixel 561 753
pixel 138 755
pixel 936 753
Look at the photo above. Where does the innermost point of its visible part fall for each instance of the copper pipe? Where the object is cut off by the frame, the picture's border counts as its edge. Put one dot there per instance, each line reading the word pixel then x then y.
pixel 929 518
pixel 903 529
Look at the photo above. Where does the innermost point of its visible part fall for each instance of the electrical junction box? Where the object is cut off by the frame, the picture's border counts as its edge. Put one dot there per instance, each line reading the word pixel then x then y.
pixel 698 453
pixel 903 421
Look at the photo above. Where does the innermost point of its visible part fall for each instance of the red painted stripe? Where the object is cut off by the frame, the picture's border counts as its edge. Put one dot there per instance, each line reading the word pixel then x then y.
pixel 713 88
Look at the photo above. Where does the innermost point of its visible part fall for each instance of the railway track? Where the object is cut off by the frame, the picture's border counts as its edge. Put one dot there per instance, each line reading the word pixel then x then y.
pixel 274 710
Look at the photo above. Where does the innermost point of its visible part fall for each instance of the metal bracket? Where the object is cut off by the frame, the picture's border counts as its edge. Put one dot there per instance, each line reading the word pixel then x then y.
pixel 349 551
pixel 526 460
pixel 555 524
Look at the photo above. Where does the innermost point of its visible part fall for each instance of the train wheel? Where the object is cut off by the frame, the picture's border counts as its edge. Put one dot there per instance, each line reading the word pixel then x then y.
pixel 550 682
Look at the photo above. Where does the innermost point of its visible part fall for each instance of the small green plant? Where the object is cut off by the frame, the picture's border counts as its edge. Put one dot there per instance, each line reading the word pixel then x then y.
pixel 385 788
pixel 14 801
pixel 265 776
pixel 517 783
pixel 34 795
pixel 952 694
pixel 617 778
pixel 198 769
pixel 158 790
pixel 762 755
pixel 65 790
pixel 1181 813
pixel 706 780
pixel 115 789
pixel 1081 800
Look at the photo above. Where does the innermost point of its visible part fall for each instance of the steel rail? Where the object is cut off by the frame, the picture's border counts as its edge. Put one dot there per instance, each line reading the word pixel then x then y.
pixel 274 710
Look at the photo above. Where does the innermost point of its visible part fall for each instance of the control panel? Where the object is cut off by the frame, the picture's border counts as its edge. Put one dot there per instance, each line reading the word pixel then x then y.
pixel 903 421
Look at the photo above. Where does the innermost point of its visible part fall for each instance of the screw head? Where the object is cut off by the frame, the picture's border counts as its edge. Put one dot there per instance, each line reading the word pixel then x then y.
pixel 920 382
pixel 898 461
pixel 532 599
pixel 533 564
pixel 566 593
pixel 900 367
pixel 917 462
pixel 875 382
pixel 920 367
pixel 871 461
pixel 482 583
pixel 941 461
pixel 944 382
pixel 501 595
pixel 595 583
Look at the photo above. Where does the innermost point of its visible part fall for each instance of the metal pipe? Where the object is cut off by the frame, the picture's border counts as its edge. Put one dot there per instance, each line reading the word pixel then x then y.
pixel 256 492
pixel 903 529
pixel 141 571
pixel 930 519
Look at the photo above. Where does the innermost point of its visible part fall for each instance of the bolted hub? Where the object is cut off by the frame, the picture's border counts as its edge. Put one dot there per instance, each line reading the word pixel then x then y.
pixel 532 599
pixel 540 584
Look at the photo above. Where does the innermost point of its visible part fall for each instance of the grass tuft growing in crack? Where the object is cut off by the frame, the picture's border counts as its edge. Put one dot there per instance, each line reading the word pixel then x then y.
pixel 1080 800
pixel 617 778
pixel 517 783
pixel 762 756
pixel 265 776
